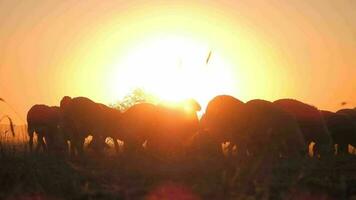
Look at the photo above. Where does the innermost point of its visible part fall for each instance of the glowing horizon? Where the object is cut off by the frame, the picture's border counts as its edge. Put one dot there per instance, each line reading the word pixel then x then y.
pixel 103 51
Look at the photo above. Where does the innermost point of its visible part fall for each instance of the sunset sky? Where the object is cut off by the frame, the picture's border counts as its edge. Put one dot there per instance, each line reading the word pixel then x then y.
pixel 103 49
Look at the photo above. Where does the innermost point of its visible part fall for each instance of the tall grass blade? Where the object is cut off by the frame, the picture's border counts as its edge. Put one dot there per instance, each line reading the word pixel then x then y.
pixel 12 129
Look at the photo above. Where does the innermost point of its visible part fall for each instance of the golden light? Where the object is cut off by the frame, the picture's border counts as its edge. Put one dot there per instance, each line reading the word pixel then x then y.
pixel 174 68
pixel 163 50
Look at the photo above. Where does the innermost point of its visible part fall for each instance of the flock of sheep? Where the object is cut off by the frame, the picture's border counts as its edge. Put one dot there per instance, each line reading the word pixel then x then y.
pixel 281 129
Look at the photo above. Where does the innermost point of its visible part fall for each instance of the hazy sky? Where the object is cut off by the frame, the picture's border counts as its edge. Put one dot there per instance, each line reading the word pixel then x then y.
pixel 261 49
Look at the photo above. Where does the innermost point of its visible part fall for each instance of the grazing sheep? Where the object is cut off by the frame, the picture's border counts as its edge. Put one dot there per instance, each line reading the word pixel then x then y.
pixel 311 123
pixel 204 142
pixel 138 124
pixel 271 138
pixel 271 131
pixel 221 120
pixel 342 129
pixel 203 145
pixel 176 125
pixel 351 113
pixel 86 117
pixel 46 122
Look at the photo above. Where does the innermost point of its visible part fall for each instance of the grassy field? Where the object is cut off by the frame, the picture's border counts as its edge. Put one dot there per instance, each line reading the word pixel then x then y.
pixel 42 176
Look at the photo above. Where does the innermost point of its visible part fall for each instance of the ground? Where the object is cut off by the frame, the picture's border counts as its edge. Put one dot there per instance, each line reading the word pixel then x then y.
pixel 42 176
pixel 25 175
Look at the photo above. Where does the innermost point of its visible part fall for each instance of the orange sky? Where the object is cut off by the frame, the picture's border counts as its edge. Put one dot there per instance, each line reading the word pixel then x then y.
pixel 299 49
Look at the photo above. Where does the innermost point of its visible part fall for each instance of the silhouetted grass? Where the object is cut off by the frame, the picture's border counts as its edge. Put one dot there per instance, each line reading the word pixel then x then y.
pixel 42 176
pixel 25 175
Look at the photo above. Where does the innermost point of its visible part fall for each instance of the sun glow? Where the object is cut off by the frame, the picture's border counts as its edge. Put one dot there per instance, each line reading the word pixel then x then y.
pixel 174 68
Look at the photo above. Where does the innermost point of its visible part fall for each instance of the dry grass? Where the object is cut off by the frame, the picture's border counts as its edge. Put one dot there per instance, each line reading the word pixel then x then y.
pixel 42 176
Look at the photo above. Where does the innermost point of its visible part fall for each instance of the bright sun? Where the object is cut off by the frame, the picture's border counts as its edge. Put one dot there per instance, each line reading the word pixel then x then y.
pixel 174 68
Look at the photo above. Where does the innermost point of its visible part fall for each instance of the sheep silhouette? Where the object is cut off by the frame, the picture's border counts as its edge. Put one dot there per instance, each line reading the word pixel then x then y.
pixel 271 131
pixel 311 123
pixel 86 117
pixel 138 124
pixel 221 120
pixel 46 122
pixel 175 127
pixel 342 130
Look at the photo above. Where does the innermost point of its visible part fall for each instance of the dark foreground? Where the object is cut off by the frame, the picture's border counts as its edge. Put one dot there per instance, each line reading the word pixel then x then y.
pixel 40 176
